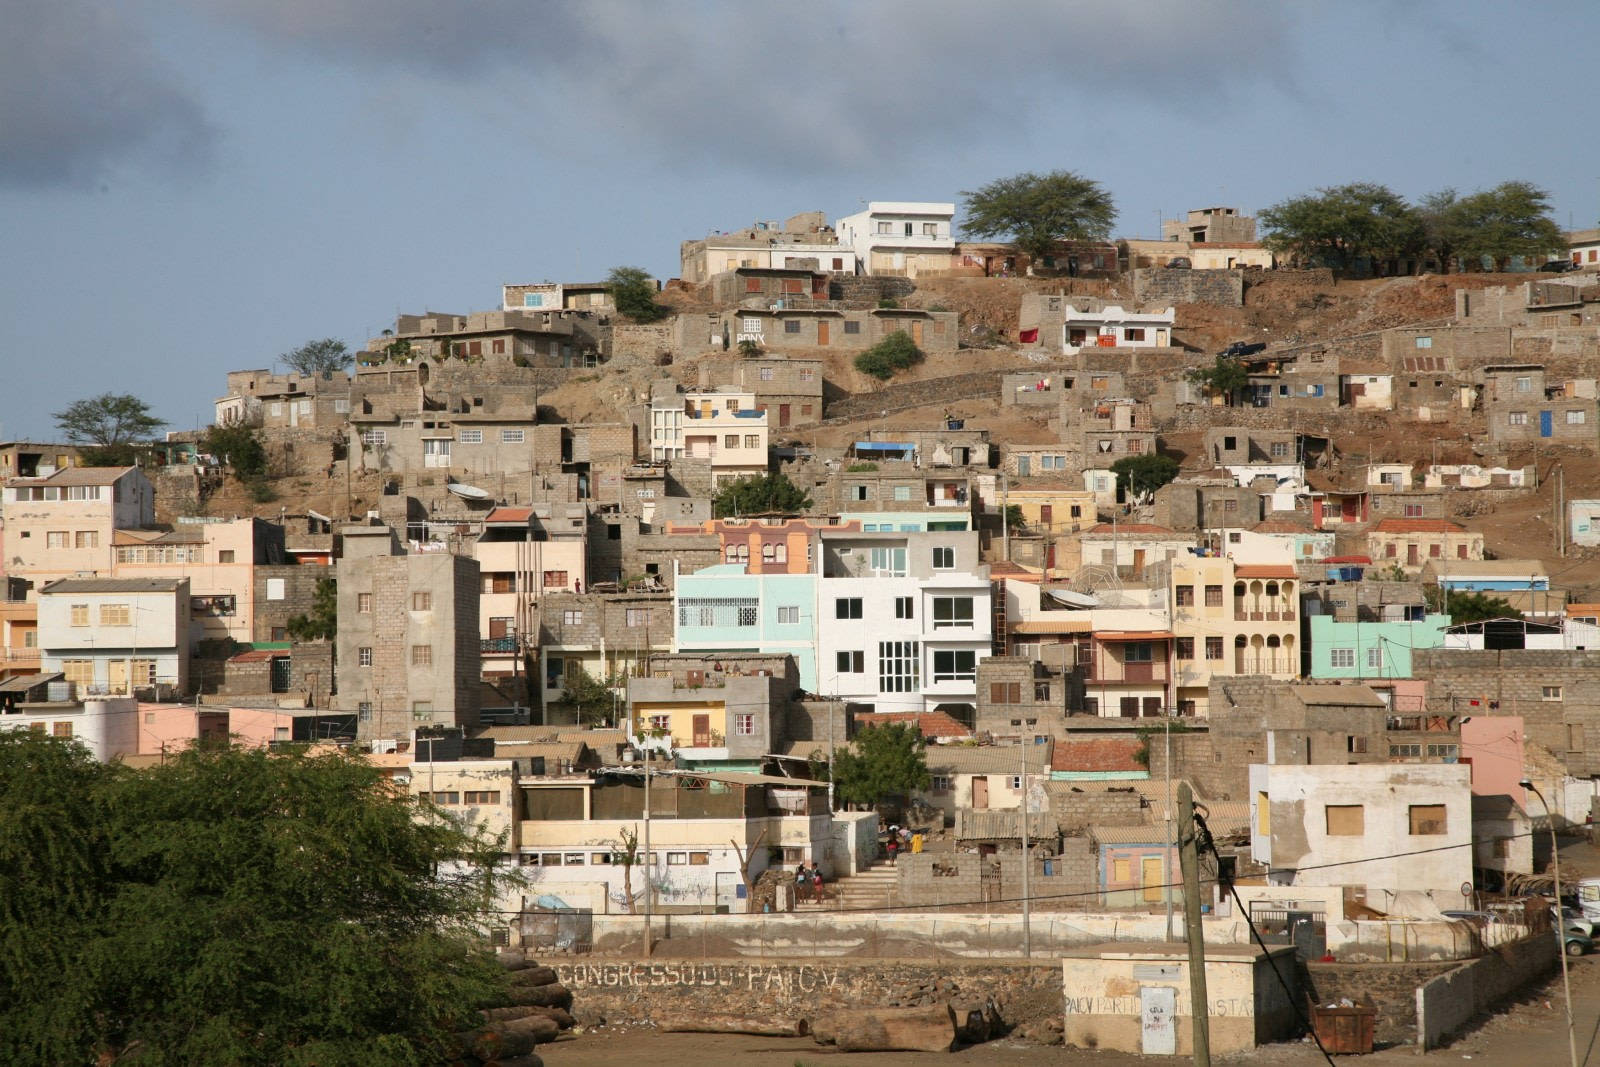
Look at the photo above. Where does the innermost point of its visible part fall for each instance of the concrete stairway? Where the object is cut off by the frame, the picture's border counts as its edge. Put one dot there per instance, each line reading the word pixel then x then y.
pixel 874 887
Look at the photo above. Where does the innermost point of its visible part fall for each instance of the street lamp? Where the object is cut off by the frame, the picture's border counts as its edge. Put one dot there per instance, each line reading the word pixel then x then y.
pixel 1561 920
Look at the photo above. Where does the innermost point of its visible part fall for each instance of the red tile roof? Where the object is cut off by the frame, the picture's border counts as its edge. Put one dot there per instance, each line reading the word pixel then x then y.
pixel 1265 570
pixel 1006 569
pixel 1281 526
pixel 930 723
pixel 1096 754
pixel 509 515
pixel 1418 526
pixel 259 655
pixel 1348 559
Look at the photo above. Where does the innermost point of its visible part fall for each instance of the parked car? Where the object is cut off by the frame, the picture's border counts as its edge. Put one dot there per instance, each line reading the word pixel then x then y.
pixel 1572 920
pixel 1576 944
pixel 1179 263
pixel 1243 348
pixel 1558 266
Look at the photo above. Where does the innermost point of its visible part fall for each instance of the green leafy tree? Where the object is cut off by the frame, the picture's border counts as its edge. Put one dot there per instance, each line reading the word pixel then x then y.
pixel 1345 226
pixel 1440 226
pixel 112 421
pixel 235 907
pixel 1038 210
pixel 1013 518
pixel 1512 219
pixel 323 621
pixel 759 495
pixel 894 353
pixel 1139 476
pixel 591 698
pixel 884 762
pixel 1224 378
pixel 634 293
pixel 1463 606
pixel 321 357
pixel 241 448
pixel 749 348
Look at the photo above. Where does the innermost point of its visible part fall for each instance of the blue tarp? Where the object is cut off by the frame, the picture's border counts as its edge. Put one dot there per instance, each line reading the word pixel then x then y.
pixel 884 446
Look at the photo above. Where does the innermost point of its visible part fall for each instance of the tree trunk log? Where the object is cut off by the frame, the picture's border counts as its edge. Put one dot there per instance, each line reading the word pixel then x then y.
pixel 500 1015
pixel 544 996
pixel 493 1044
pixel 560 1016
pixel 930 1029
pixel 513 959
pixel 976 1021
pixel 694 1022
pixel 534 976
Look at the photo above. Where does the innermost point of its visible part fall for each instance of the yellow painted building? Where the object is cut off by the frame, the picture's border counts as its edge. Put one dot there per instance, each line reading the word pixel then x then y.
pixel 1231 619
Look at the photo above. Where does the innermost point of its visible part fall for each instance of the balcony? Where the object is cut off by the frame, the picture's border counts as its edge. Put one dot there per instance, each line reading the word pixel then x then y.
pixel 18 659
pixel 497 644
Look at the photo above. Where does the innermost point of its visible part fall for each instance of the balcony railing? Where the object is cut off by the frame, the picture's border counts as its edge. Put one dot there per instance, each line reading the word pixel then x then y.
pixel 497 644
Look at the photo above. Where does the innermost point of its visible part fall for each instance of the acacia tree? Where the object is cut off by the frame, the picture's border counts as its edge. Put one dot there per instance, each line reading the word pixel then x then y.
pixel 634 293
pixel 1223 378
pixel 233 906
pixel 1139 476
pixel 760 494
pixel 1038 210
pixel 884 761
pixel 111 423
pixel 322 357
pixel 1344 226
pixel 1512 219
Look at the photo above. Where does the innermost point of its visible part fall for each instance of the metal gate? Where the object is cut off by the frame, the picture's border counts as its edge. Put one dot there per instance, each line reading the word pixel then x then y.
pixel 1305 929
pixel 568 929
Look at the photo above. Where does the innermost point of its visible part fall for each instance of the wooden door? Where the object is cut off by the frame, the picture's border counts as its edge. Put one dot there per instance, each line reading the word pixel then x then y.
pixel 1152 875
pixel 117 675
pixel 783 414
pixel 1047 514
pixel 980 792
pixel 822 333
pixel 702 731
pixel 916 333
pixel 1411 555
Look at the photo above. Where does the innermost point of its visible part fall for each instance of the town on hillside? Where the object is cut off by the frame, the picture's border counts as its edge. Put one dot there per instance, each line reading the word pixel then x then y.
pixel 879 594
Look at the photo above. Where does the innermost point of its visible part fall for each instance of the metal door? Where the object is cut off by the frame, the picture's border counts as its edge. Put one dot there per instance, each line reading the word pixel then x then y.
pixel 1545 424
pixel 1152 877
pixel 783 414
pixel 822 334
pixel 916 333
pixel 280 674
pixel 1158 1009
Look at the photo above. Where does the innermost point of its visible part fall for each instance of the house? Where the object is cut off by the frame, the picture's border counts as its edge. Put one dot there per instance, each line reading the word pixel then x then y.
pixel 1210 225
pixel 107 726
pixel 765 286
pixel 1366 386
pixel 1126 673
pixel 1285 538
pixel 564 296
pixel 219 558
pixel 264 400
pixel 1230 619
pixel 33 459
pixel 61 524
pixel 713 711
pixel 408 646
pixel 116 636
pixel 1112 429
pixel 788 388
pixel 1583 522
pixel 722 426
pixel 1021 699
pixel 802 240
pixel 1409 543
pixel 804 325
pixel 1390 829
pixel 1072 259
pixel 1130 547
pixel 167 729
pixel 1520 405
pixel 19 630
pixel 1584 248
pixel 484 433
pixel 1206 501
pixel 1522 583
pixel 1062 324
pixel 524 554
pixel 1370 650
pixel 899 237
pixel 549 338
pixel 889 496
pixel 986 777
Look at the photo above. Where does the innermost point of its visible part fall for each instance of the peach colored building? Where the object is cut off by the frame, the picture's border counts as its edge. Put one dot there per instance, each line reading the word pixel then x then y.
pixel 1231 619
pixel 61 526
pixel 165 729
pixel 218 556
pixel 1493 745
pixel 19 637
pixel 767 546
pixel 524 554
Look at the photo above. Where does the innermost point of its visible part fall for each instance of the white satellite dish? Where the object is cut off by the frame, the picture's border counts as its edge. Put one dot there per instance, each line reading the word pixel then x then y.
pixel 469 492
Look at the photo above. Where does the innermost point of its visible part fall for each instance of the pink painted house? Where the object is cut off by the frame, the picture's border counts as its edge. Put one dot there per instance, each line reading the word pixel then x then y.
pixel 167 728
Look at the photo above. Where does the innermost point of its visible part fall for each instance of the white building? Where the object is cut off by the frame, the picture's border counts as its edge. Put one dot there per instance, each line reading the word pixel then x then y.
pixel 1387 828
pixel 1115 327
pixel 1584 516
pixel 116 635
pixel 723 425
pixel 899 237
pixel 107 726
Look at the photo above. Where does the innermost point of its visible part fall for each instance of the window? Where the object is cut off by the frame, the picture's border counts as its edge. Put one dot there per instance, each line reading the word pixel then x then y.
pixel 766 374
pixel 856 492
pixel 847 608
pixel 511 437
pixel 954 665
pixel 446 797
pixel 1355 745
pixel 1375 658
pixel 944 558
pixel 114 614
pixel 660 724
pixel 747 615
pixel 1280 449
pixel 637 617
pixel 752 440
pixel 1524 385
pixel 481 796
pixel 951 611
pixel 1445 752
pixel 902 492
pixel 744 725
pixel 850 662
pixel 55 539
pixel 930 229
pixel 79 614
pixel 1005 692
pixel 91 538
pixel 730 440
pixel 364 656
pixel 1184 596
pixel 1185 647
pixel 78 671
pixel 898 667
pixel 942 783
pixel 699 859
pixel 421 711
pixel 421 655
pixel 852 327
pixel 1413 511
pixel 1404 751
pixel 1574 418
pixel 1517 418
pixel 1341 657
pixel 1138 652
pixel 789 615
pixel 61 729
pixel 1213 596
pixel 677 859
pixel 1345 820
pixel 1550 692
pixel 1428 820
pixel 1213 648
pixel 903 607
pixel 572 617
pixel 555 579
pixel 364 711
pixel 374 438
pixel 889 561
pixel 808 375
pixel 791 326
pixel 470 437
pixel 421 601
pixel 884 227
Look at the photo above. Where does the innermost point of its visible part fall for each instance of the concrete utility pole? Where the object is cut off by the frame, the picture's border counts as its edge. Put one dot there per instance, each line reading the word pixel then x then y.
pixel 1005 524
pixel 1172 823
pixel 1027 903
pixel 1561 918
pixel 1189 858
pixel 649 887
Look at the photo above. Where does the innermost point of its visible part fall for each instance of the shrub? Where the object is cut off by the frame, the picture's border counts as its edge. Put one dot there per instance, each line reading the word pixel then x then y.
pixel 894 353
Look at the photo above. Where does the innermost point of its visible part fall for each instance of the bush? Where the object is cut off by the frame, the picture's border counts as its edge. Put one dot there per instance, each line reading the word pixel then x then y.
pixel 262 492
pixel 240 447
pixel 894 353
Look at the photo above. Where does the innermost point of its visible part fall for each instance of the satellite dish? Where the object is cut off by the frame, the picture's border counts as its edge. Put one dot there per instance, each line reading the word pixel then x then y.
pixel 1096 580
pixel 469 492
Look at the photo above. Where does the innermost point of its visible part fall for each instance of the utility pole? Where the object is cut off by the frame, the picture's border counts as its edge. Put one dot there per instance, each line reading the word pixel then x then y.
pixel 1189 858
pixel 1172 824
pixel 649 887
pixel 1027 904
pixel 1005 521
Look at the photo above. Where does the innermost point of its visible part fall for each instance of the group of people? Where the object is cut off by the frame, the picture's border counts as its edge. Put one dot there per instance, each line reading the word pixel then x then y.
pixel 808 882
pixel 899 841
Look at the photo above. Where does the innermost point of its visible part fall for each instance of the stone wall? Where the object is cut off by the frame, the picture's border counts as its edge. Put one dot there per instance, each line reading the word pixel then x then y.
pixel 299 588
pixel 1168 287
pixel 865 290
pixel 1392 986
pixel 640 340
pixel 903 395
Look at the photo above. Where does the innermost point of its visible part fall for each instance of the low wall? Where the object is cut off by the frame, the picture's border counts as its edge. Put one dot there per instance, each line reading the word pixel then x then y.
pixel 1392 987
pixel 1446 1003
pixel 636 992
pixel 901 395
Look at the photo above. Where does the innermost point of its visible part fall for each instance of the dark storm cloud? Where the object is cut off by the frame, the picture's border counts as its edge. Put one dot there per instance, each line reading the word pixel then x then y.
pixel 82 93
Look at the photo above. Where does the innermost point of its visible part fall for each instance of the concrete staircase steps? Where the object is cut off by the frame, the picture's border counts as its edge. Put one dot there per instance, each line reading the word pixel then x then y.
pixel 874 887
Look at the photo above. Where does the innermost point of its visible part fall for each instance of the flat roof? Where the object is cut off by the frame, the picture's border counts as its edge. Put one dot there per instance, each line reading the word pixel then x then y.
pixel 114 585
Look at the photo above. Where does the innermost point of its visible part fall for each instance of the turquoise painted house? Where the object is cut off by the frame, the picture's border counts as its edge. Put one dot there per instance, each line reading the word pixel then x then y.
pixel 1371 649
pixel 723 609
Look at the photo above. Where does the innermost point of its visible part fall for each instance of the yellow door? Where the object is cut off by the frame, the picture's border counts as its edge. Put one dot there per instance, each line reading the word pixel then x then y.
pixel 117 676
pixel 822 334
pixel 1152 876
pixel 916 333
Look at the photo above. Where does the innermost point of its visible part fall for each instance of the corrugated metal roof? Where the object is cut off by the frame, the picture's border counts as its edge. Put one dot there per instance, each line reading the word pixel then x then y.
pixel 24 682
pixel 77 476
pixel 1003 825
pixel 114 585
pixel 1148 834
pixel 986 759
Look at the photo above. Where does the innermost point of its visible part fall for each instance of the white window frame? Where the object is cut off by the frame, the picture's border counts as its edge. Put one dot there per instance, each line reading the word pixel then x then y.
pixel 513 437
pixel 470 437
pixel 1342 658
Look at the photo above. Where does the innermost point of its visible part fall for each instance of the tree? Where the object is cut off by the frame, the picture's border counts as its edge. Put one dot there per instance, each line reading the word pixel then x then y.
pixel 1346 226
pixel 894 353
pixel 1463 606
pixel 1225 378
pixel 235 906
pixel 749 880
pixel 749 348
pixel 1038 210
pixel 885 761
pixel 318 357
pixel 111 420
pixel 626 854
pixel 634 293
pixel 240 447
pixel 760 494
pixel 1013 517
pixel 592 698
pixel 1440 230
pixel 1512 219
pixel 1139 476
pixel 323 622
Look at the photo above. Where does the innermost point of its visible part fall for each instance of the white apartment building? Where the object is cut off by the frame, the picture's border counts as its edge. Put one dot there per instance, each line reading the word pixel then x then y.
pixel 724 425
pixel 900 237
pixel 1115 327
pixel 116 635
pixel 107 726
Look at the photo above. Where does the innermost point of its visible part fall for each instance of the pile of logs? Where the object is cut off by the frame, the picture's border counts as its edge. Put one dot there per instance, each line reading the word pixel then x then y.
pixel 537 1009
pixel 937 1028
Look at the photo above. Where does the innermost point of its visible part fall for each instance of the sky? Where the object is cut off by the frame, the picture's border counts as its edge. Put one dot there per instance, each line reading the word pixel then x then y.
pixel 193 186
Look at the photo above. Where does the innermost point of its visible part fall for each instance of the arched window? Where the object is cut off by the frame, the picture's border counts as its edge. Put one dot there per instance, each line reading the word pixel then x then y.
pixel 731 554
pixel 1272 589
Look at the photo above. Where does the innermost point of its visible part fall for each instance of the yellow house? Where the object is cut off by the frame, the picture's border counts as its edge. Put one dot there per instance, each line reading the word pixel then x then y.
pixel 1231 619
